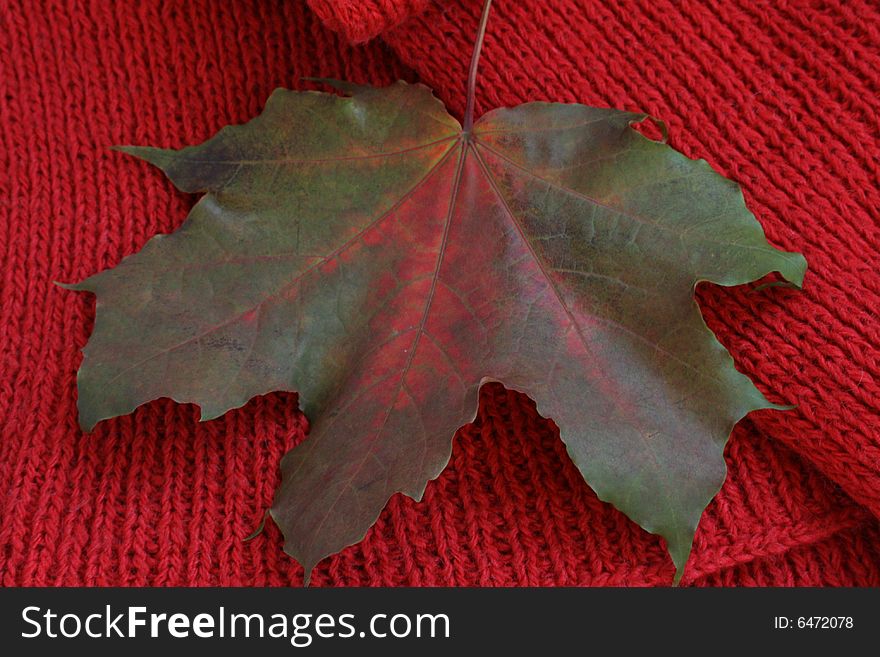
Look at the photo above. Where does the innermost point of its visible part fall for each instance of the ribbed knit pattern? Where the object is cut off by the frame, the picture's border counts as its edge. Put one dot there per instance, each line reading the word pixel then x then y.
pixel 361 20
pixel 782 97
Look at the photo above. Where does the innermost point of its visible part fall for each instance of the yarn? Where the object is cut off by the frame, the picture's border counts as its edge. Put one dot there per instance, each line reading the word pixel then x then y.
pixel 780 97
pixel 361 20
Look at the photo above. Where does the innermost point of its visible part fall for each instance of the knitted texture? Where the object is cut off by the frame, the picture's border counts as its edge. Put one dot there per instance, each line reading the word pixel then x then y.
pixel 781 97
pixel 361 20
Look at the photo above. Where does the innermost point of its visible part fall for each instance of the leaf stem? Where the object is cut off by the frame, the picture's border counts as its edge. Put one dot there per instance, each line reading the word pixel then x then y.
pixel 472 73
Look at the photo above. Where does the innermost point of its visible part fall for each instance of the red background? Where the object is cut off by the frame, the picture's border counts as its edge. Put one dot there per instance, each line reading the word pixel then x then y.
pixel 781 96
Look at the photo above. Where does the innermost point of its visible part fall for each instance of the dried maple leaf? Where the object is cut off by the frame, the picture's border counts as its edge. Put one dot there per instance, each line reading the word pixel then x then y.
pixel 373 255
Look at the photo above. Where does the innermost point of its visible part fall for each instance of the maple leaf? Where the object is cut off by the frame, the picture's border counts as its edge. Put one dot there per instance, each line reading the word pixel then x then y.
pixel 368 252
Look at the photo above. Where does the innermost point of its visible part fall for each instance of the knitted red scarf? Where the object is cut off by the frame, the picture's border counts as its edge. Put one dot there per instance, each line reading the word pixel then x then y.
pixel 781 97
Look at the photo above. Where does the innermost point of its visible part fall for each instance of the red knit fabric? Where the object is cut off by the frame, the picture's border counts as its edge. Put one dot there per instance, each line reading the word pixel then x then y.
pixel 361 20
pixel 782 97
